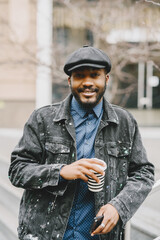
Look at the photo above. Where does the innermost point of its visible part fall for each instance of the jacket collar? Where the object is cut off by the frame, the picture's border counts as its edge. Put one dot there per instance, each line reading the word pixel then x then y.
pixel 63 112
pixel 109 113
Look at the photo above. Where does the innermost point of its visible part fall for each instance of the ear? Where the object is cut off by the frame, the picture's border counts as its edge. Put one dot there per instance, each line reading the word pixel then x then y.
pixel 107 78
pixel 69 81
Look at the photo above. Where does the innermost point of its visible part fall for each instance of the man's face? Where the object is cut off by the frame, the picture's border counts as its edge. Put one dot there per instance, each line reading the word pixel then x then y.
pixel 88 85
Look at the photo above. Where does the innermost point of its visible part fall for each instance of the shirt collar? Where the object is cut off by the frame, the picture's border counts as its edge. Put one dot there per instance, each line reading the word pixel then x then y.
pixel 75 106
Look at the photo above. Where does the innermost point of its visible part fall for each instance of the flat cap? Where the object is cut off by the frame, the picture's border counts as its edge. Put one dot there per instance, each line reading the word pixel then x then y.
pixel 87 56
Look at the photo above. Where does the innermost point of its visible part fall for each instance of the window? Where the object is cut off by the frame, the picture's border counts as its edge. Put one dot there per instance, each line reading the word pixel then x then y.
pixel 62 36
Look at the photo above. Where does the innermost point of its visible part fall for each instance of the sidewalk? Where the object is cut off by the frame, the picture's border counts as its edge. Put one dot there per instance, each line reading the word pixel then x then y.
pixel 10 196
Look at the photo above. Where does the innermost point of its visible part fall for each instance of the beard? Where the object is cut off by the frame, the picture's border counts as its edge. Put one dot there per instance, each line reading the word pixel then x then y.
pixel 88 103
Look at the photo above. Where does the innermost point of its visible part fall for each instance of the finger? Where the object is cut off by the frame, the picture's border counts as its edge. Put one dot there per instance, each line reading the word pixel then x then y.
pixel 109 226
pixel 91 161
pixel 105 227
pixel 91 167
pixel 81 175
pixel 99 230
pixel 84 172
pixel 97 169
pixel 93 176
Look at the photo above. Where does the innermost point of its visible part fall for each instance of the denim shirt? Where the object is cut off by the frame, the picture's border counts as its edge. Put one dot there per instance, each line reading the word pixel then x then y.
pixel 83 210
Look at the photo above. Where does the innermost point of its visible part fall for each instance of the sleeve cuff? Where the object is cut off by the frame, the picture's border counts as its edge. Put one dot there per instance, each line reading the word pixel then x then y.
pixel 122 210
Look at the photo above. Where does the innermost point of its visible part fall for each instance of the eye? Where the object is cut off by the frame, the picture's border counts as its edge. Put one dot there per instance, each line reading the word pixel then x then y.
pixel 78 75
pixel 95 74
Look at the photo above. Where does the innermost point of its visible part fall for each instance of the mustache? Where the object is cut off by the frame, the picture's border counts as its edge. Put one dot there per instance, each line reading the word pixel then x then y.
pixel 90 89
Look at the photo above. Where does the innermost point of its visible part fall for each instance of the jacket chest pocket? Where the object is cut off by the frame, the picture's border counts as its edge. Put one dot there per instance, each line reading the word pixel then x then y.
pixel 118 160
pixel 57 152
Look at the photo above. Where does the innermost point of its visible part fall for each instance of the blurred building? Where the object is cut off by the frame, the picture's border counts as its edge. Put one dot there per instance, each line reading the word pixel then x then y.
pixel 126 30
pixel 17 61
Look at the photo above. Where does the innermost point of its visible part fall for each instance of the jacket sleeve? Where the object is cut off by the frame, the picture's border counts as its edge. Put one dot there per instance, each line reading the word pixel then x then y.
pixel 139 182
pixel 28 169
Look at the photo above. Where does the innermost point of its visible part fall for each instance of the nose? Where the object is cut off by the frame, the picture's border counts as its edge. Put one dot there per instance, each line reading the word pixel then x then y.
pixel 87 82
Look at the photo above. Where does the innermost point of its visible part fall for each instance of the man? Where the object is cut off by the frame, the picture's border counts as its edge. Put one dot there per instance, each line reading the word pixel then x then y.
pixel 57 153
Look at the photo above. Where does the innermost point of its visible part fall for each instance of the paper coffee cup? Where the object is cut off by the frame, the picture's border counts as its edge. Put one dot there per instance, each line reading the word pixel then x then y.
pixel 92 184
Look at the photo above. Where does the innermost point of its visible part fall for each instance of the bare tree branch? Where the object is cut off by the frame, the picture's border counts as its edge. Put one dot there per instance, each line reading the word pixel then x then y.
pixel 153 2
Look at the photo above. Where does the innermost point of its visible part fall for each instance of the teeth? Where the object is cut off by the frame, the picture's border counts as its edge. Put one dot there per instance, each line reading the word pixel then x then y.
pixel 88 93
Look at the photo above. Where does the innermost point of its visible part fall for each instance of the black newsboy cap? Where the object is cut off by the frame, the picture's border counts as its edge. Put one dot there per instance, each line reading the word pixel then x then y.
pixel 87 56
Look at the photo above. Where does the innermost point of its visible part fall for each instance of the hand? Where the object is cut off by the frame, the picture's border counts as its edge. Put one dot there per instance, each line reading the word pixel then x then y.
pixel 81 169
pixel 110 219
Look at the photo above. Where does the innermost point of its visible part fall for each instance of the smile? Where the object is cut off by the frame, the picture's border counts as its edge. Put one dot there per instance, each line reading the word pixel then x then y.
pixel 88 94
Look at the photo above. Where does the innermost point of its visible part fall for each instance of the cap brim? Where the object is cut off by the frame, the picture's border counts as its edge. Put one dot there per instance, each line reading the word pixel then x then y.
pixel 85 65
